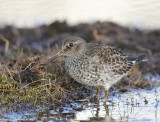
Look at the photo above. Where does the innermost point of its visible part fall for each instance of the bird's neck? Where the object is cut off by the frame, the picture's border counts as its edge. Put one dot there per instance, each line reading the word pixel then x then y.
pixel 75 57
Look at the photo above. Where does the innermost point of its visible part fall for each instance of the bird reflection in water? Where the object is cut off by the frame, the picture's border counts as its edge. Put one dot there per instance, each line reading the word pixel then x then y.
pixel 98 118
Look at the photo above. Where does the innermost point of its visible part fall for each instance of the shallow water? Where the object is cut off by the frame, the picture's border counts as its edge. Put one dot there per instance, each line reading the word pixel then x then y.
pixel 137 105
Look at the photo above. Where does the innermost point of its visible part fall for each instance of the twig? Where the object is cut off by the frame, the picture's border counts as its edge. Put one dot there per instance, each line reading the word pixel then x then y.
pixel 6 43
pixel 144 49
pixel 32 83
pixel 100 37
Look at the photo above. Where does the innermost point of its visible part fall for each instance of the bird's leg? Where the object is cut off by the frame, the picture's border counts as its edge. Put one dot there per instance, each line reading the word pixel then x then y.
pixel 98 94
pixel 106 96
pixel 106 109
pixel 97 111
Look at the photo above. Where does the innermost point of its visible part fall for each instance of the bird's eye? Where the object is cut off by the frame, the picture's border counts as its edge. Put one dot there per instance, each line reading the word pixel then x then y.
pixel 69 45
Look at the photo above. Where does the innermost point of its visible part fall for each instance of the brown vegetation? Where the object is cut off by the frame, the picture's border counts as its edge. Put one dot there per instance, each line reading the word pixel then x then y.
pixel 24 80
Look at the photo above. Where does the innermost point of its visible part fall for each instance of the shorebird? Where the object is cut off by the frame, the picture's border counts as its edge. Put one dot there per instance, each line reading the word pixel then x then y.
pixel 95 64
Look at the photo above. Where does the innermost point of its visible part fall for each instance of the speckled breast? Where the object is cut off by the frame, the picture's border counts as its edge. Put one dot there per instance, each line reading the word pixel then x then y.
pixel 80 70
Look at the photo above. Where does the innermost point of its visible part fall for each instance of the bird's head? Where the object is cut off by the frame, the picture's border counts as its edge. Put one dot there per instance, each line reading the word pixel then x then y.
pixel 71 47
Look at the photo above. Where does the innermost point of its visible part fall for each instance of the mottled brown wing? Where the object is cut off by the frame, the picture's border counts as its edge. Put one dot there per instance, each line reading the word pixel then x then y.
pixel 115 59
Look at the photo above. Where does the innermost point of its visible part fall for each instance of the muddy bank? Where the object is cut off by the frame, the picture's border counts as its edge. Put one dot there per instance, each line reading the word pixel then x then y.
pixel 24 80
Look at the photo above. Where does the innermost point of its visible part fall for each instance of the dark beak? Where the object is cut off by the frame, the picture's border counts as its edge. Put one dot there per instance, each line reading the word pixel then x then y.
pixel 53 58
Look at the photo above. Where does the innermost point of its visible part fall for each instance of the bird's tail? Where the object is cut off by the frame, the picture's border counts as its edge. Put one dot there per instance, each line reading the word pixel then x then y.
pixel 141 58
